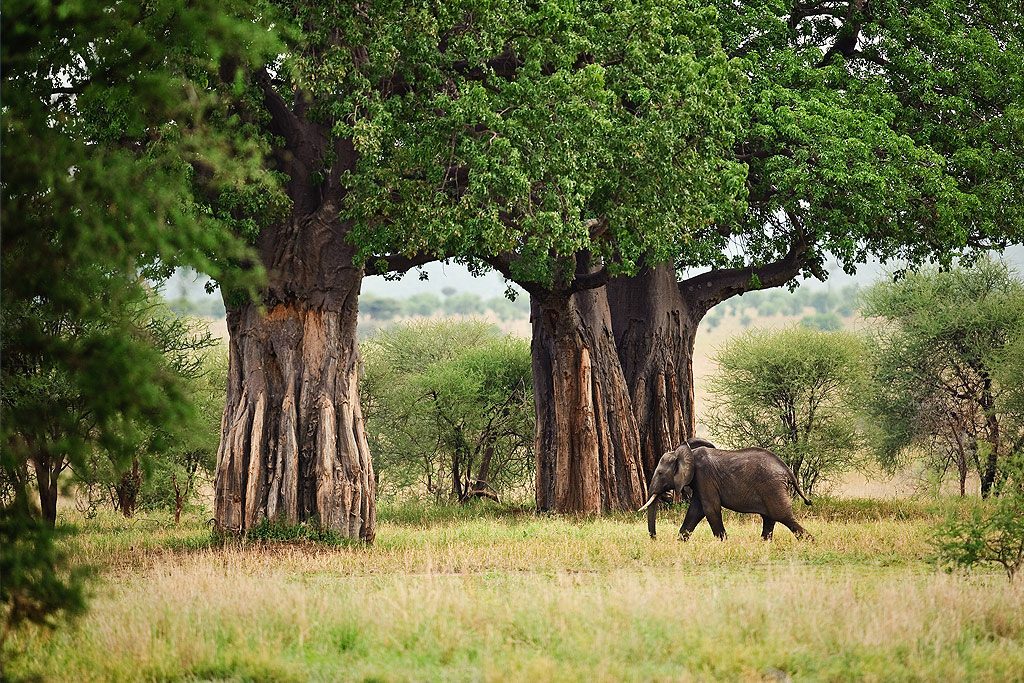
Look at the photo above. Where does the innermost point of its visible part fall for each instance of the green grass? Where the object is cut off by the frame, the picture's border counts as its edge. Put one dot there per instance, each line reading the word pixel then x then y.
pixel 497 593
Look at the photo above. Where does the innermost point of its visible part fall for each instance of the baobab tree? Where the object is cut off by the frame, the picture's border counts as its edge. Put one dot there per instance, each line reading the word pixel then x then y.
pixel 863 137
pixel 582 142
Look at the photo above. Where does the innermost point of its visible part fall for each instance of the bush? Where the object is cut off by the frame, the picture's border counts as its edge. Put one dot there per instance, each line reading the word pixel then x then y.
pixel 992 536
pixel 794 392
pixel 449 410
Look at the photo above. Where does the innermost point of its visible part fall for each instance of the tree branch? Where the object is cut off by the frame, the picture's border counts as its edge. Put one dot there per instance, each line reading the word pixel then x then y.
pixel 398 263
pixel 284 122
pixel 713 287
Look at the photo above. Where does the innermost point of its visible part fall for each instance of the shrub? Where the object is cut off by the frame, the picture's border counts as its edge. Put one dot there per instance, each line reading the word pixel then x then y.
pixel 992 536
pixel 795 392
pixel 449 410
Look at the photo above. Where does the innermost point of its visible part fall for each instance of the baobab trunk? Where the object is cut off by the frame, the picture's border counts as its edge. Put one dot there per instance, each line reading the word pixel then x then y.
pixel 587 445
pixel 656 320
pixel 654 334
pixel 293 444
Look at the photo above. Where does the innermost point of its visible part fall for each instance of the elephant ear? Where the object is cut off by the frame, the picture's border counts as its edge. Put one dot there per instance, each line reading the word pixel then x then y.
pixel 684 454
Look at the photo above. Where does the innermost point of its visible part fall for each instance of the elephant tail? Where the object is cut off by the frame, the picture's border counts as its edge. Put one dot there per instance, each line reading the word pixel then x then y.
pixel 799 491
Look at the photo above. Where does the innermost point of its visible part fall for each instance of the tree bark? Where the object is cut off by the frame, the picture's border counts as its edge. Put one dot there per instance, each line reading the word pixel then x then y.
pixel 655 330
pixel 47 475
pixel 587 444
pixel 656 320
pixel 127 490
pixel 293 445
pixel 990 472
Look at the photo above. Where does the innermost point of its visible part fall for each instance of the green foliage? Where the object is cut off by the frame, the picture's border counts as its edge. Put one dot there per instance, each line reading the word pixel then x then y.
pixel 540 131
pixel 987 536
pixel 794 392
pixel 863 128
pixel 449 410
pixel 106 123
pixel 171 478
pixel 164 459
pixel 826 322
pixel 947 355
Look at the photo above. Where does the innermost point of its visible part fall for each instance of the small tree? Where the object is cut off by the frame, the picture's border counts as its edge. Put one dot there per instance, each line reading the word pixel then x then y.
pixel 449 410
pixel 947 360
pixel 794 392
pixel 987 536
pixel 156 450
pixel 171 480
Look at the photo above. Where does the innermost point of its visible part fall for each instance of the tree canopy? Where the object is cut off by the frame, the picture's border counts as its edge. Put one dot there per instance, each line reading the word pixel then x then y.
pixel 874 128
pixel 107 135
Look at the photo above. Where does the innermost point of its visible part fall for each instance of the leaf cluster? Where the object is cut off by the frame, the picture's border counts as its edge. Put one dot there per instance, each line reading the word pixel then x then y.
pixel 437 397
pixel 796 392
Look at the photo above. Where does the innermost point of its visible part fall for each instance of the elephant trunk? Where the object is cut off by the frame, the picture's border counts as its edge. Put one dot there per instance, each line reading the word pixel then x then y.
pixel 652 517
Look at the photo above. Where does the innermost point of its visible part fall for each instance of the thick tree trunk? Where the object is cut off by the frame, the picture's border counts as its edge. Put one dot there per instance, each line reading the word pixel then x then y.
pixel 588 457
pixel 654 334
pixel 293 446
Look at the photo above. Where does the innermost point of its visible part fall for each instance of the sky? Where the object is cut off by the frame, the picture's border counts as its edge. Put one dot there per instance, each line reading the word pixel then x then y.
pixel 443 275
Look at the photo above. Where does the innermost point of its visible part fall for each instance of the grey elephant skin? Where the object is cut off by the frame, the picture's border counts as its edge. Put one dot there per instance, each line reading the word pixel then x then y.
pixel 751 480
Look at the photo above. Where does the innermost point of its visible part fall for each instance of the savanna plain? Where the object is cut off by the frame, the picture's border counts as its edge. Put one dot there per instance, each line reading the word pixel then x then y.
pixel 490 592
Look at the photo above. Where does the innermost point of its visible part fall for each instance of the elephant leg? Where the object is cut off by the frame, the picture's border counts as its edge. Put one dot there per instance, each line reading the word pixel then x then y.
pixel 694 515
pixel 713 511
pixel 767 527
pixel 798 531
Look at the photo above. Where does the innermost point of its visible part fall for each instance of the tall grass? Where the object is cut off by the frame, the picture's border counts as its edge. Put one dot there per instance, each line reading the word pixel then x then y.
pixel 501 594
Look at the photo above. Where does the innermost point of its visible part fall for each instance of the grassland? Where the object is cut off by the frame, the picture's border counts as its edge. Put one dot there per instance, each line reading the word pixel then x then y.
pixel 501 594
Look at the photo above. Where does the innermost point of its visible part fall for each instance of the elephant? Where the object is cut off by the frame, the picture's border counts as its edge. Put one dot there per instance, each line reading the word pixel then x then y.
pixel 751 480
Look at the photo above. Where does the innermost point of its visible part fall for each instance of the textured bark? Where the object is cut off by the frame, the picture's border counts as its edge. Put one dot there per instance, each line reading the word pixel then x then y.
pixel 989 472
pixel 654 334
pixel 588 457
pixel 656 320
pixel 293 447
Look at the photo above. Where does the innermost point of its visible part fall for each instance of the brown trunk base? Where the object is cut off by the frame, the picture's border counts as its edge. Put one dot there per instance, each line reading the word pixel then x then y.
pixel 293 446
pixel 587 447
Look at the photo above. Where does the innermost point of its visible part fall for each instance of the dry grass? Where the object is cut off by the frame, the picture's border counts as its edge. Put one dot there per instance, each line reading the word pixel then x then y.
pixel 479 595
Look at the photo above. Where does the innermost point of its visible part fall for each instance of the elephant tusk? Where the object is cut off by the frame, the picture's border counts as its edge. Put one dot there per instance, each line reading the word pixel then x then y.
pixel 648 504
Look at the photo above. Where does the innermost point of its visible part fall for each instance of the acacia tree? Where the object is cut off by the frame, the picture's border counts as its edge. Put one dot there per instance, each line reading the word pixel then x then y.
pixel 863 135
pixel 944 347
pixel 795 392
pixel 587 137
pixel 449 410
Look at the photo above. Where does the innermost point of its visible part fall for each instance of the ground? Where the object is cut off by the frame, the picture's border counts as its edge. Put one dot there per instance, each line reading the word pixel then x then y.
pixel 492 593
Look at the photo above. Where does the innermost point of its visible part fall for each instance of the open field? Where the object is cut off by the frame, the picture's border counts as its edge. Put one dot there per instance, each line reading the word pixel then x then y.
pixel 500 594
